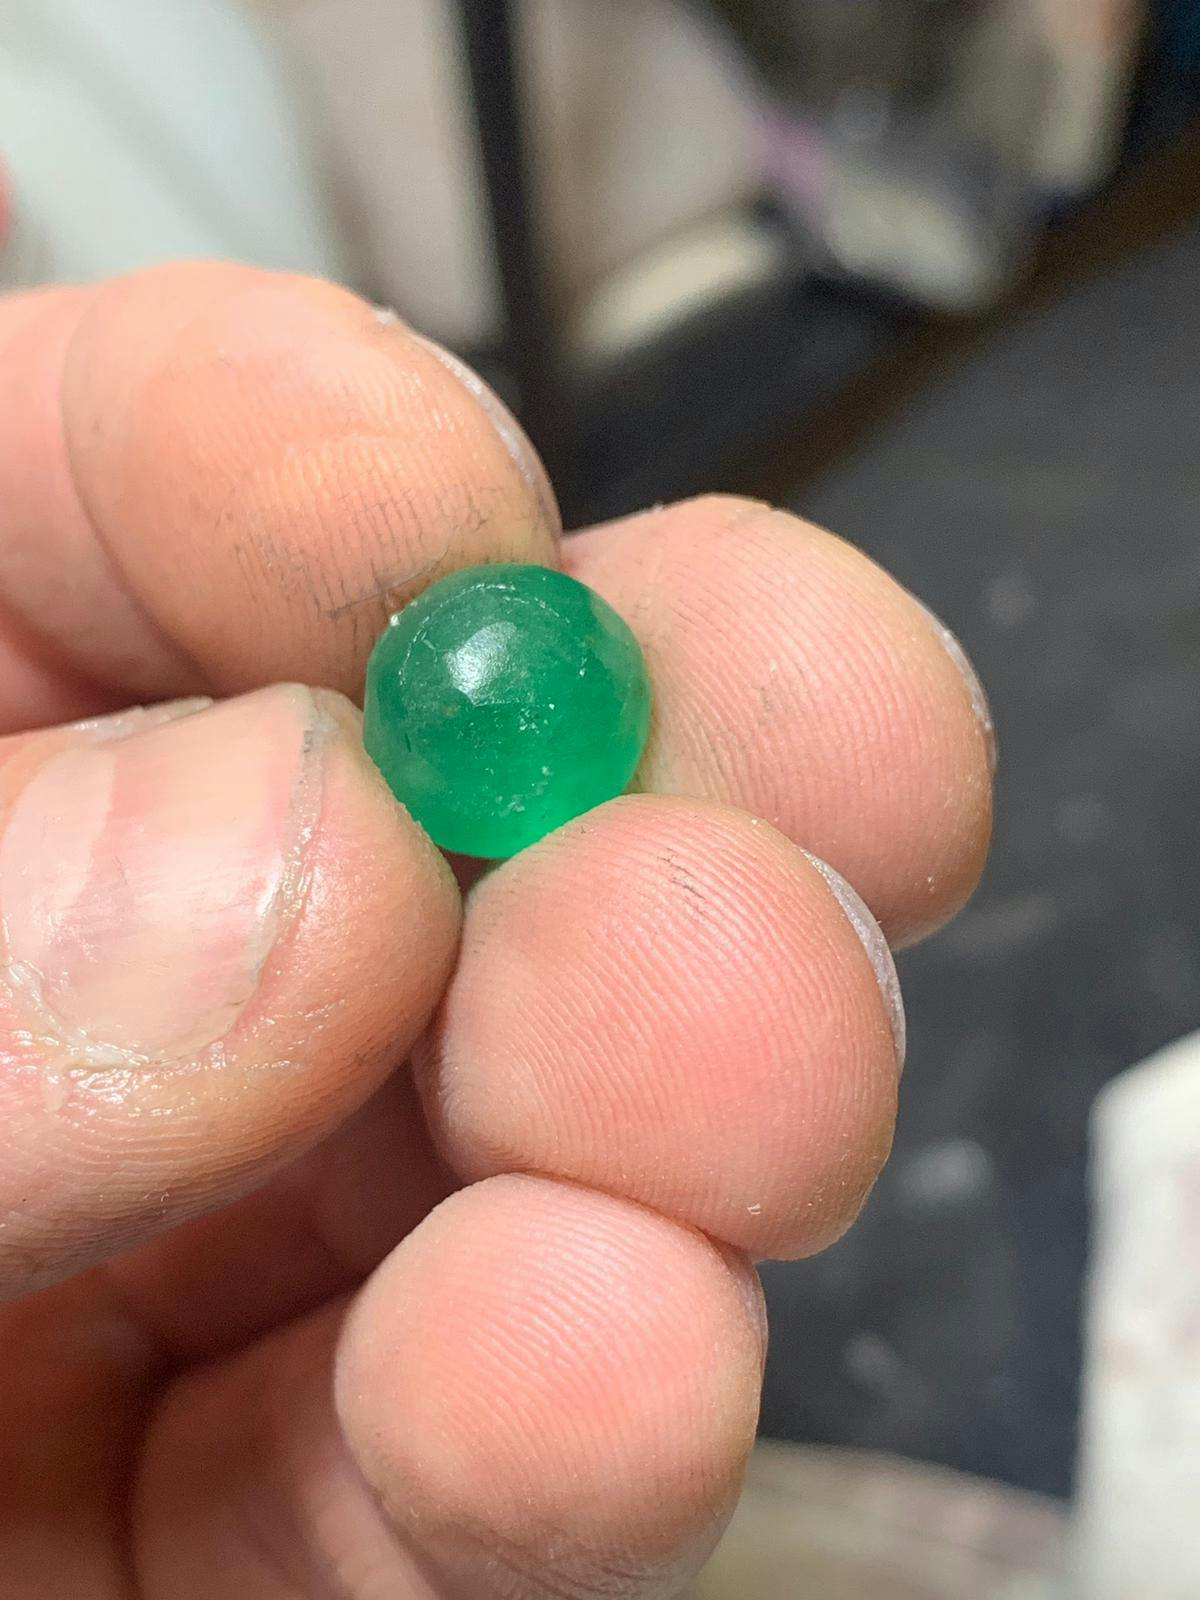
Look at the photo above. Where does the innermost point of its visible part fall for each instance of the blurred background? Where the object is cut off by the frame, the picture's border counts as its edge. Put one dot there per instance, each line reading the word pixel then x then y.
pixel 927 272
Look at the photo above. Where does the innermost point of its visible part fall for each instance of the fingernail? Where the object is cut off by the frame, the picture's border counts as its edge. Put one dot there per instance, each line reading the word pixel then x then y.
pixel 511 433
pixel 979 699
pixel 878 951
pixel 136 719
pixel 146 873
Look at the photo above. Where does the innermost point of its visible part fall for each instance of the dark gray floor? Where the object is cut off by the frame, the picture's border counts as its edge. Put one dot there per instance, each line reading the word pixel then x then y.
pixel 1046 501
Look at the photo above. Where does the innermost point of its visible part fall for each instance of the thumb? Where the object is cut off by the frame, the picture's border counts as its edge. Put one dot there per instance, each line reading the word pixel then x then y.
pixel 180 1006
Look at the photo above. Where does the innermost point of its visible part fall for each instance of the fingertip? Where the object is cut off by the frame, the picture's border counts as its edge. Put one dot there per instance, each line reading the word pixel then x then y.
pixel 547 1386
pixel 241 473
pixel 664 1000
pixel 838 712
pixel 335 468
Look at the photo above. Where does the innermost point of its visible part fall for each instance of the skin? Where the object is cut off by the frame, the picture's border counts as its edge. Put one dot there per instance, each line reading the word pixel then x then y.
pixel 358 1239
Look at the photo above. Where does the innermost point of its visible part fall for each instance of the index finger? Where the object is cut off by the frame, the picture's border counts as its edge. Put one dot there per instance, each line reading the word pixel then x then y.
pixel 214 477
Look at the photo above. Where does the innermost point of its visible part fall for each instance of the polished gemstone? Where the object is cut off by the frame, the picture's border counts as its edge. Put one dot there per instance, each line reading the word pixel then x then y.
pixel 503 702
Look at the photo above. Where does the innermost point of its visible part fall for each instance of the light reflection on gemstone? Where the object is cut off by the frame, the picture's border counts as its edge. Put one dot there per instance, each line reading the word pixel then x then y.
pixel 475 666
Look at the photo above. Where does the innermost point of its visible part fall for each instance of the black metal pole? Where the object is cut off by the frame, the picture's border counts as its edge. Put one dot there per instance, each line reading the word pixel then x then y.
pixel 494 70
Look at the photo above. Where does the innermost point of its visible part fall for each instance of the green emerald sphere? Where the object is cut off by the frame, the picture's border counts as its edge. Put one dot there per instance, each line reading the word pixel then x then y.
pixel 503 702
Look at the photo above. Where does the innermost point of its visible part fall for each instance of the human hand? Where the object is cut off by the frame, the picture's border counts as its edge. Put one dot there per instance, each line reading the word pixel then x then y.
pixel 260 1340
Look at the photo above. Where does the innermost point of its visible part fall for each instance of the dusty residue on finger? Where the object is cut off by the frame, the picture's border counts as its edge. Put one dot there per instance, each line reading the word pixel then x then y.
pixel 971 680
pixel 516 441
pixel 879 954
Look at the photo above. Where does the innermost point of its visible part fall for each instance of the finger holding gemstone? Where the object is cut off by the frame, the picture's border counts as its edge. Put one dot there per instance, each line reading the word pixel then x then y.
pixel 503 702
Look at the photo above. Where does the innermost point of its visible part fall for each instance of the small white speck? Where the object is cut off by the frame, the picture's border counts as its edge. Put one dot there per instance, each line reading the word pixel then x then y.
pixel 552 705
pixel 948 1173
pixel 582 670
pixel 54 1090
pixel 1082 819
pixel 1010 599
pixel 755 1210
pixel 872 1361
